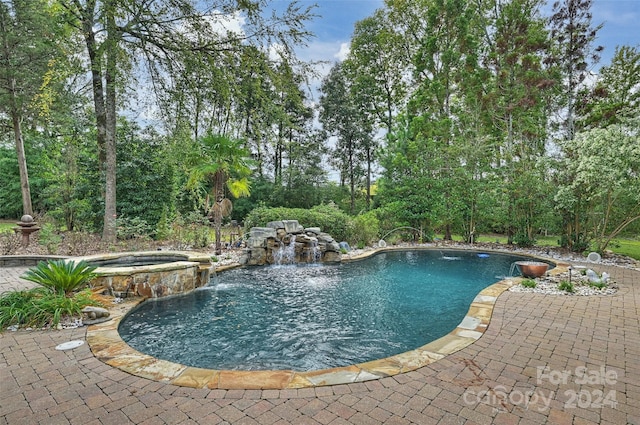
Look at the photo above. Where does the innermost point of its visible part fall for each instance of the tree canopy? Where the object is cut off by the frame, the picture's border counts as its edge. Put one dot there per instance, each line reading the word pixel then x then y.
pixel 447 116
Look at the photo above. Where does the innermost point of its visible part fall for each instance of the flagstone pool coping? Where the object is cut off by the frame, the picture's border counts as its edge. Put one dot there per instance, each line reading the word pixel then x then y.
pixel 107 346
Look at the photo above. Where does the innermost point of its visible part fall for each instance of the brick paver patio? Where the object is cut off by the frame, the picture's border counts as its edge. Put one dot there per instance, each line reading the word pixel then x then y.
pixel 543 359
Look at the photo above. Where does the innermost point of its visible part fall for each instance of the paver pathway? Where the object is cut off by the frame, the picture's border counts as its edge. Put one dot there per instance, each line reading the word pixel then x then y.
pixel 10 279
pixel 543 359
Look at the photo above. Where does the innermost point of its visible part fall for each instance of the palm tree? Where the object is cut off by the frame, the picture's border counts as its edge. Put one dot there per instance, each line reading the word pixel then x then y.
pixel 223 163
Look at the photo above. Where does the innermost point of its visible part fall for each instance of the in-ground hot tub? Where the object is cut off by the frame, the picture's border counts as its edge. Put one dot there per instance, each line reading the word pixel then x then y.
pixel 149 274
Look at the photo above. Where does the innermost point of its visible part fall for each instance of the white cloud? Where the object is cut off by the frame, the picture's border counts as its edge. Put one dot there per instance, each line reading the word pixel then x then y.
pixel 222 23
pixel 325 54
pixel 342 54
pixel 219 23
pixel 317 50
pixel 276 52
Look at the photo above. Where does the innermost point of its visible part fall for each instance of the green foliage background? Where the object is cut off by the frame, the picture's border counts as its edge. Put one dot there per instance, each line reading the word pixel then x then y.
pixel 328 217
pixel 450 117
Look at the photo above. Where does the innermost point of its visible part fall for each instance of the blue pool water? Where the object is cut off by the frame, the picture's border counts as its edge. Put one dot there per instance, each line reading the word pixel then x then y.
pixel 315 317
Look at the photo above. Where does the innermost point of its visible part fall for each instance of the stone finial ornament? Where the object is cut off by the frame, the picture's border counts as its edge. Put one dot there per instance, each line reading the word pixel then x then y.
pixel 26 226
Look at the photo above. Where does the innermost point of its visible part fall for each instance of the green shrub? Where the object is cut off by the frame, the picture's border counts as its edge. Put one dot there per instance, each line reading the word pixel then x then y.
pixel 598 285
pixel 201 238
pixel 389 217
pixel 61 277
pixel 394 229
pixel 259 217
pixel 132 228
pixel 49 237
pixel 328 217
pixel 39 307
pixel 365 229
pixel 163 227
pixel 19 307
pixel 579 242
pixel 74 213
pixel 529 283
pixel 566 286
pixel 187 231
pixel 523 240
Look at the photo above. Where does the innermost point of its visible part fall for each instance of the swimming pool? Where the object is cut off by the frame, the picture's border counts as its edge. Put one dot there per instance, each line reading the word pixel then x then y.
pixel 315 317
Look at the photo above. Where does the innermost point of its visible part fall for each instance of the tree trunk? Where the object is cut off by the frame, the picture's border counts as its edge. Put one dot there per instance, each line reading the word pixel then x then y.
pixel 105 112
pixel 22 160
pixel 277 163
pixel 472 223
pixel 17 132
pixel 369 161
pixel 218 188
pixel 218 230
pixel 352 182
pixel 447 233
pixel 109 229
pixel 96 81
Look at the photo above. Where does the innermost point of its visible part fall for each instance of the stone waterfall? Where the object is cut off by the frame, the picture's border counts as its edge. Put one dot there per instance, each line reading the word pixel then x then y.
pixel 287 242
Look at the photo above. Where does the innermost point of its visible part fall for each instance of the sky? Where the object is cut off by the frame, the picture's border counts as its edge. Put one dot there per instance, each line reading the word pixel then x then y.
pixel 621 19
pixel 334 26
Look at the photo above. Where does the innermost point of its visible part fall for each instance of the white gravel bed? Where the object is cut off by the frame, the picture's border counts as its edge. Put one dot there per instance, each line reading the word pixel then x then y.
pixel 581 287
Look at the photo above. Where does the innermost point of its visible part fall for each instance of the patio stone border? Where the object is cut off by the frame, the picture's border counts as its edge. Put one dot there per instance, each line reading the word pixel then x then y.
pixel 107 346
pixel 27 260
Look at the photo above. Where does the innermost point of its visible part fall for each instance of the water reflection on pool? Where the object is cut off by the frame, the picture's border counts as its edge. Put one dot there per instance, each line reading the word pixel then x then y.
pixel 315 317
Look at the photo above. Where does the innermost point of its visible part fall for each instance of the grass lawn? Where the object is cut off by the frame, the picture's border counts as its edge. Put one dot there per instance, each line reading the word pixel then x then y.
pixel 626 246
pixel 540 240
pixel 7 226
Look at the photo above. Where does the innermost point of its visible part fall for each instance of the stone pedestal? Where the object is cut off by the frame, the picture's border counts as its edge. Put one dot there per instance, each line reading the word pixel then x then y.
pixel 26 226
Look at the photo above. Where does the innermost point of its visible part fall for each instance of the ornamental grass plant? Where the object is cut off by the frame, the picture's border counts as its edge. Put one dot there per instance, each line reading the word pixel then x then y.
pixel 61 277
pixel 58 297
pixel 39 307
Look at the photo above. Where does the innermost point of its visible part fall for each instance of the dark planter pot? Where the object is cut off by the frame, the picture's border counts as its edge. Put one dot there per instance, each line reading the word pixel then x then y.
pixel 532 269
